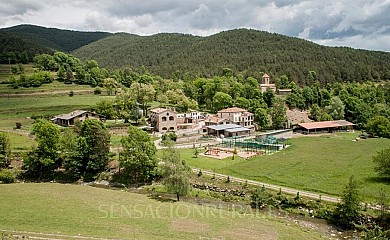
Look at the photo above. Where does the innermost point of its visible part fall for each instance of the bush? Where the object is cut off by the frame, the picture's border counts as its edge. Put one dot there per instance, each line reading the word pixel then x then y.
pixel 71 93
pixel 260 197
pixel 168 137
pixel 97 91
pixel 7 176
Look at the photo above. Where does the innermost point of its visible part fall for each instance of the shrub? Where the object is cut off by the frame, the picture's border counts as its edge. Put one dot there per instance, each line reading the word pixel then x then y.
pixel 71 93
pixel 7 176
pixel 97 91
pixel 168 137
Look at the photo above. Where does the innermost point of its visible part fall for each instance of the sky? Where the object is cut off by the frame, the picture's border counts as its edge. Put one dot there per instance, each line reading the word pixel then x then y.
pixel 354 23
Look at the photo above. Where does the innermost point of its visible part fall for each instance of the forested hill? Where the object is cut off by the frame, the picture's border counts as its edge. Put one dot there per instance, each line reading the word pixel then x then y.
pixel 14 49
pixel 53 38
pixel 243 50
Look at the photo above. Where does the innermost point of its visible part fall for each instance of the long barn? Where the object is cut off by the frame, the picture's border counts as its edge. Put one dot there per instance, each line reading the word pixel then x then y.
pixel 325 126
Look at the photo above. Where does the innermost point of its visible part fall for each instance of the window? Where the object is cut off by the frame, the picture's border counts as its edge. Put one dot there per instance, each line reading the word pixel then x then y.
pixel 164 119
pixel 167 114
pixel 164 129
pixel 171 118
pixel 171 128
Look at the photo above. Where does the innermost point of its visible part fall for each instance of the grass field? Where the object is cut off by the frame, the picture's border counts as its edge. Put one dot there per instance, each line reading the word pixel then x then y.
pixel 321 163
pixel 54 86
pixel 20 141
pixel 86 211
pixel 5 70
pixel 19 108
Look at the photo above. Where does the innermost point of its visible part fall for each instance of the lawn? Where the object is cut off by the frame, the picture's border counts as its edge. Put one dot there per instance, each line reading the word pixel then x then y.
pixel 87 211
pixel 316 163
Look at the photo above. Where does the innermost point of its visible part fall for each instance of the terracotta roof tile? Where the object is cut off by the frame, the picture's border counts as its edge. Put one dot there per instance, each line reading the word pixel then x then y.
pixel 326 124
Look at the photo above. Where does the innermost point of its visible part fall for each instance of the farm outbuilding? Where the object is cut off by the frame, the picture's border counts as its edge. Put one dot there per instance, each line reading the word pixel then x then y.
pixel 79 115
pixel 324 127
pixel 227 130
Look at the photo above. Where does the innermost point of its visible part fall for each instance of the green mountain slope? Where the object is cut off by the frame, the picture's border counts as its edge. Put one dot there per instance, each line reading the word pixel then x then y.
pixel 14 49
pixel 56 39
pixel 243 50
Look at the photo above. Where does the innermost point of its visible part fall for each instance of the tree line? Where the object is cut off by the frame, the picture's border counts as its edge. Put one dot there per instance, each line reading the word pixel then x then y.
pixel 367 104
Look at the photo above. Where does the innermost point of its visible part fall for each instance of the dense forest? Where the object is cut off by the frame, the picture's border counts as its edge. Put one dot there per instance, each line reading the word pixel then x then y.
pixel 14 49
pixel 57 39
pixel 19 44
pixel 180 56
pixel 244 51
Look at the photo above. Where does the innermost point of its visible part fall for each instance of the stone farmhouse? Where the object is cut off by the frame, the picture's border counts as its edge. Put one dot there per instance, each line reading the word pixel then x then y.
pixel 163 120
pixel 238 116
pixel 70 119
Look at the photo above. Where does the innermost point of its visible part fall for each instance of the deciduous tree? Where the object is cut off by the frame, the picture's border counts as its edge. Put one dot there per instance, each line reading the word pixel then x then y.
pixel 378 126
pixel 382 161
pixel 348 210
pixel 5 150
pixel 43 159
pixel 278 114
pixel 91 155
pixel 222 100
pixel 138 157
pixel 261 118
pixel 336 108
pixel 175 172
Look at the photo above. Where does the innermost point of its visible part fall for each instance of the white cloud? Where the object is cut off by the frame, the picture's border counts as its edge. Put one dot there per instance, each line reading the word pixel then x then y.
pixel 359 23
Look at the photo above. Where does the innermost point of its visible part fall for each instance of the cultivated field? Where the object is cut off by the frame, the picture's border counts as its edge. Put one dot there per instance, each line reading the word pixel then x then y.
pixel 86 211
pixel 316 163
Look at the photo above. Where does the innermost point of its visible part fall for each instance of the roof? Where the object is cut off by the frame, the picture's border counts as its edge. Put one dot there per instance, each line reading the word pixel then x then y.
pixel 226 127
pixel 215 119
pixel 232 110
pixel 160 110
pixel 71 115
pixel 247 114
pixel 326 124
pixel 265 75
pixel 238 129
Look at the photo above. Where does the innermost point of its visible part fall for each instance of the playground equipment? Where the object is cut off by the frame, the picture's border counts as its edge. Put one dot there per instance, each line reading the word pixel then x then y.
pixel 212 151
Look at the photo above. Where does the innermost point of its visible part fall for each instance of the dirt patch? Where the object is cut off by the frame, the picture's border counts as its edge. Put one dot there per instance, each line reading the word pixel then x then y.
pixel 296 116
pixel 188 225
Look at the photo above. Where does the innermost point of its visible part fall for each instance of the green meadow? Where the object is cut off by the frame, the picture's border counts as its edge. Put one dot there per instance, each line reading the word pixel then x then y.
pixel 64 209
pixel 315 163
pixel 14 109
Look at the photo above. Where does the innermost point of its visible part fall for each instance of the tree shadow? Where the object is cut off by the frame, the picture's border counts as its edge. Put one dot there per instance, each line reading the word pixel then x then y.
pixel 379 179
pixel 161 198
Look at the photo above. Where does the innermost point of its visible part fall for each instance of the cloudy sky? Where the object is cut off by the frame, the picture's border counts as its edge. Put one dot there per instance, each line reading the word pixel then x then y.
pixel 355 23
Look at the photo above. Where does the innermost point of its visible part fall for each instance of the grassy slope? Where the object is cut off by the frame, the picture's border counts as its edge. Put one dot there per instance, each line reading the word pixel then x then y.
pixel 72 209
pixel 45 104
pixel 322 164
pixel 54 86
pixel 5 70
